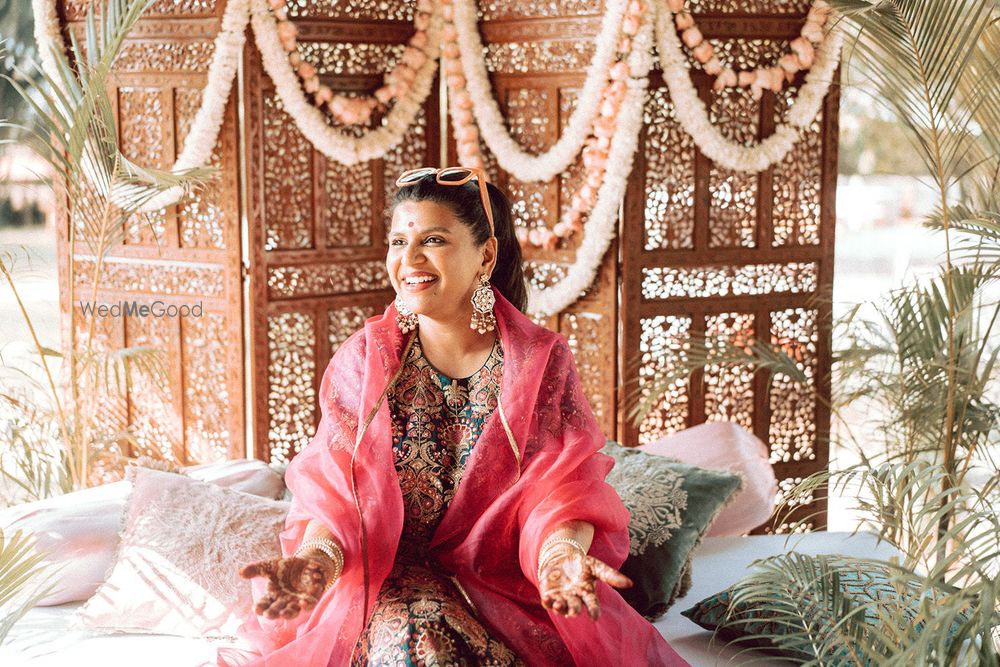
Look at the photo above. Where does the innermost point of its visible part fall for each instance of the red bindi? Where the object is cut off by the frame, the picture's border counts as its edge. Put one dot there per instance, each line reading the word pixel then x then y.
pixel 410 224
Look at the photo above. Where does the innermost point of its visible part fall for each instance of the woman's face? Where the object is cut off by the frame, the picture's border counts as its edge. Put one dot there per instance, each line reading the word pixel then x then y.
pixel 427 242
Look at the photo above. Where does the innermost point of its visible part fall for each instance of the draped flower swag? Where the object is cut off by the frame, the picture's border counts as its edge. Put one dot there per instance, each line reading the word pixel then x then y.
pixel 693 116
pixel 204 132
pixel 600 226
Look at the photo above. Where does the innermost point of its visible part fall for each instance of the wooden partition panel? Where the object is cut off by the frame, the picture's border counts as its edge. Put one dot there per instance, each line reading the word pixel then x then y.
pixel 185 254
pixel 318 228
pixel 711 255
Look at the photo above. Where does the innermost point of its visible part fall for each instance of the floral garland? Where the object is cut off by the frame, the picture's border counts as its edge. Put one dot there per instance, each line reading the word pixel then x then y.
pixel 374 144
pixel 601 225
pixel 204 132
pixel 693 115
pixel 773 78
pixel 595 153
pixel 511 158
pixel 357 110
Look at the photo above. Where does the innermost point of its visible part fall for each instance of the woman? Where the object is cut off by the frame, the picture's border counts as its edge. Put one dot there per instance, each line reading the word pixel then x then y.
pixel 451 508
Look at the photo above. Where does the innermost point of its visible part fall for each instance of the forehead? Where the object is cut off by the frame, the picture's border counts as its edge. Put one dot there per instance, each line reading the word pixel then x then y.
pixel 423 214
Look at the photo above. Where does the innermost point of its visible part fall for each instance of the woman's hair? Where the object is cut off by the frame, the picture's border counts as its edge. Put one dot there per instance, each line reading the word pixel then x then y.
pixel 467 205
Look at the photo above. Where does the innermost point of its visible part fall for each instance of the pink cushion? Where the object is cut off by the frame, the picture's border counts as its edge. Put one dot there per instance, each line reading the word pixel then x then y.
pixel 727 446
pixel 80 529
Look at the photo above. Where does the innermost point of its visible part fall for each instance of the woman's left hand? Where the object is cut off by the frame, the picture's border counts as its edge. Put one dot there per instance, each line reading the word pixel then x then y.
pixel 568 582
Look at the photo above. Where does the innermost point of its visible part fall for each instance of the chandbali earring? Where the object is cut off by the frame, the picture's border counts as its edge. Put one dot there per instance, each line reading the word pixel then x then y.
pixel 405 318
pixel 483 301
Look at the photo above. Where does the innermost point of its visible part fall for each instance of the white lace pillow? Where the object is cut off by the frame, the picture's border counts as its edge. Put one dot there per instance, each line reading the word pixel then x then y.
pixel 182 545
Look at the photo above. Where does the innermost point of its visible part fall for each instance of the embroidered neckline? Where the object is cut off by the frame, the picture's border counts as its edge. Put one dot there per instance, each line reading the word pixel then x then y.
pixel 419 352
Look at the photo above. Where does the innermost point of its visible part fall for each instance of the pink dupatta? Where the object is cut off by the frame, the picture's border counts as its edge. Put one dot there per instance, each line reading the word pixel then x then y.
pixel 535 466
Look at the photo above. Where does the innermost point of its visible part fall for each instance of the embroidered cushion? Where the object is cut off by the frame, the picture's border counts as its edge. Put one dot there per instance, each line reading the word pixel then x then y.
pixel 727 446
pixel 757 612
pixel 79 530
pixel 671 505
pixel 182 545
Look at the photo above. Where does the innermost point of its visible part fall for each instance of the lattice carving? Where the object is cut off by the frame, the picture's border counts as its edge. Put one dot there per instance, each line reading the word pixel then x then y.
pixel 513 9
pixel 333 58
pixel 584 331
pixel 141 128
pixel 797 186
pixel 152 412
pixel 717 281
pixel 729 394
pixel 793 408
pixel 206 398
pixel 662 344
pixel 342 322
pixel 669 179
pixel 291 398
pixel 287 180
pixel 546 56
pixel 749 6
pixel 315 279
pixel 201 218
pixel 732 214
pixel 357 10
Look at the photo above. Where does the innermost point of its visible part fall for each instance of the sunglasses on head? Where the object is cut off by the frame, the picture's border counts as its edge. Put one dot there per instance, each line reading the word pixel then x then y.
pixel 452 176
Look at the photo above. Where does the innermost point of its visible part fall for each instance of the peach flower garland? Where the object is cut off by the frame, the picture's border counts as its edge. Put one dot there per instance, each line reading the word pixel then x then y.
pixel 357 110
pixel 802 56
pixel 596 148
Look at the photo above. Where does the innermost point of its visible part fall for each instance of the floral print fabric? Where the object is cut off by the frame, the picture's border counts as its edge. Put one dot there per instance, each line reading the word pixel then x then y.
pixel 420 617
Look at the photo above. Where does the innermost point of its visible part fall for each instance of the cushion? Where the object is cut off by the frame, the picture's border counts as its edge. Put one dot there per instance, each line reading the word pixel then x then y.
pixel 758 612
pixel 177 568
pixel 727 446
pixel 80 529
pixel 670 505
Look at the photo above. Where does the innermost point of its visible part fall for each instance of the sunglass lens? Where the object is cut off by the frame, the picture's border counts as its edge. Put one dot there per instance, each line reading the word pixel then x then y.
pixel 455 174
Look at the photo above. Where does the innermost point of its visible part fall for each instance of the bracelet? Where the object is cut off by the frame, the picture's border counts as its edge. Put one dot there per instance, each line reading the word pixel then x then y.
pixel 331 550
pixel 548 548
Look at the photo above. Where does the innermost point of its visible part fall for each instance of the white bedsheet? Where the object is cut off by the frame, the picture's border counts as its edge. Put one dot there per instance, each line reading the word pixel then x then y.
pixel 48 636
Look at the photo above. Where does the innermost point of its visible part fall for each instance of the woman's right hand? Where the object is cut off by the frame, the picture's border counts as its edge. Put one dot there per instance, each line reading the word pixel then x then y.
pixel 295 583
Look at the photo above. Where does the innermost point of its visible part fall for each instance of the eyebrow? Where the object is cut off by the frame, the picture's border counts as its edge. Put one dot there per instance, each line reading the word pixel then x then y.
pixel 427 231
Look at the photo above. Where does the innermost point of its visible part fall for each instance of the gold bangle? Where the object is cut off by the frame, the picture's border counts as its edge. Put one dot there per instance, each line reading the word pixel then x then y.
pixel 331 550
pixel 547 550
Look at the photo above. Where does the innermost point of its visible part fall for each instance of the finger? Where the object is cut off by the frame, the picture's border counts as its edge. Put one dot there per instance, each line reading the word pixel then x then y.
pixel 608 574
pixel 260 568
pixel 575 605
pixel 265 601
pixel 593 608
pixel 292 610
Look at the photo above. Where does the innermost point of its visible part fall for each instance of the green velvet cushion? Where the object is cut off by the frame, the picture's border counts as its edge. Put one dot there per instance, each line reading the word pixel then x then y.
pixel 671 504
pixel 768 610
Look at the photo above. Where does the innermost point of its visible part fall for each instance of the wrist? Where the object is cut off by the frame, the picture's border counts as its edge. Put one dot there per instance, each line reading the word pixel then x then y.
pixel 326 552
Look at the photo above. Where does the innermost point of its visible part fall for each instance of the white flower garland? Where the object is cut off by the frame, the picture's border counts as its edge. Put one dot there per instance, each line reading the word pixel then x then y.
pixel 601 225
pixel 328 140
pixel 693 115
pixel 205 127
pixel 525 166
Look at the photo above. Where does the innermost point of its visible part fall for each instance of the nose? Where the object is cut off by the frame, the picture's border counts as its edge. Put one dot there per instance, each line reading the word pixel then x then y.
pixel 413 253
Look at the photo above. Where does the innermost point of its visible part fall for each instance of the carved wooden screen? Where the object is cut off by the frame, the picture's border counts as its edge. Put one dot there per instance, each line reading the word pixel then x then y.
pixel 318 228
pixel 537 55
pixel 190 252
pixel 710 254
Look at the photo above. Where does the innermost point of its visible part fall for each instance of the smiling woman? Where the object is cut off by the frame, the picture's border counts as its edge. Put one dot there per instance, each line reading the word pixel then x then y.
pixel 469 523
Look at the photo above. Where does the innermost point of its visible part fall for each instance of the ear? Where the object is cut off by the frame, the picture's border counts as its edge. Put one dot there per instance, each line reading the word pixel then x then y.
pixel 489 255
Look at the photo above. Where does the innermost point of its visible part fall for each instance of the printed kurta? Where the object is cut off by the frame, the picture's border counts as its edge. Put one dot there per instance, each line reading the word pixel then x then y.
pixel 420 616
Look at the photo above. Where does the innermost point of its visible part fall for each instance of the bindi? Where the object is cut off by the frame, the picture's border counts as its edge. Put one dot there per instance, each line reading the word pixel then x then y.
pixel 409 224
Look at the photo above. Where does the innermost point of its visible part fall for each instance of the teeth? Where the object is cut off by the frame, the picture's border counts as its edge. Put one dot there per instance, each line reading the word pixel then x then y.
pixel 422 279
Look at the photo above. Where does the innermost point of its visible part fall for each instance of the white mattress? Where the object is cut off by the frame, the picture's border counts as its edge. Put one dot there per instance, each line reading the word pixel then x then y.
pixel 48 636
